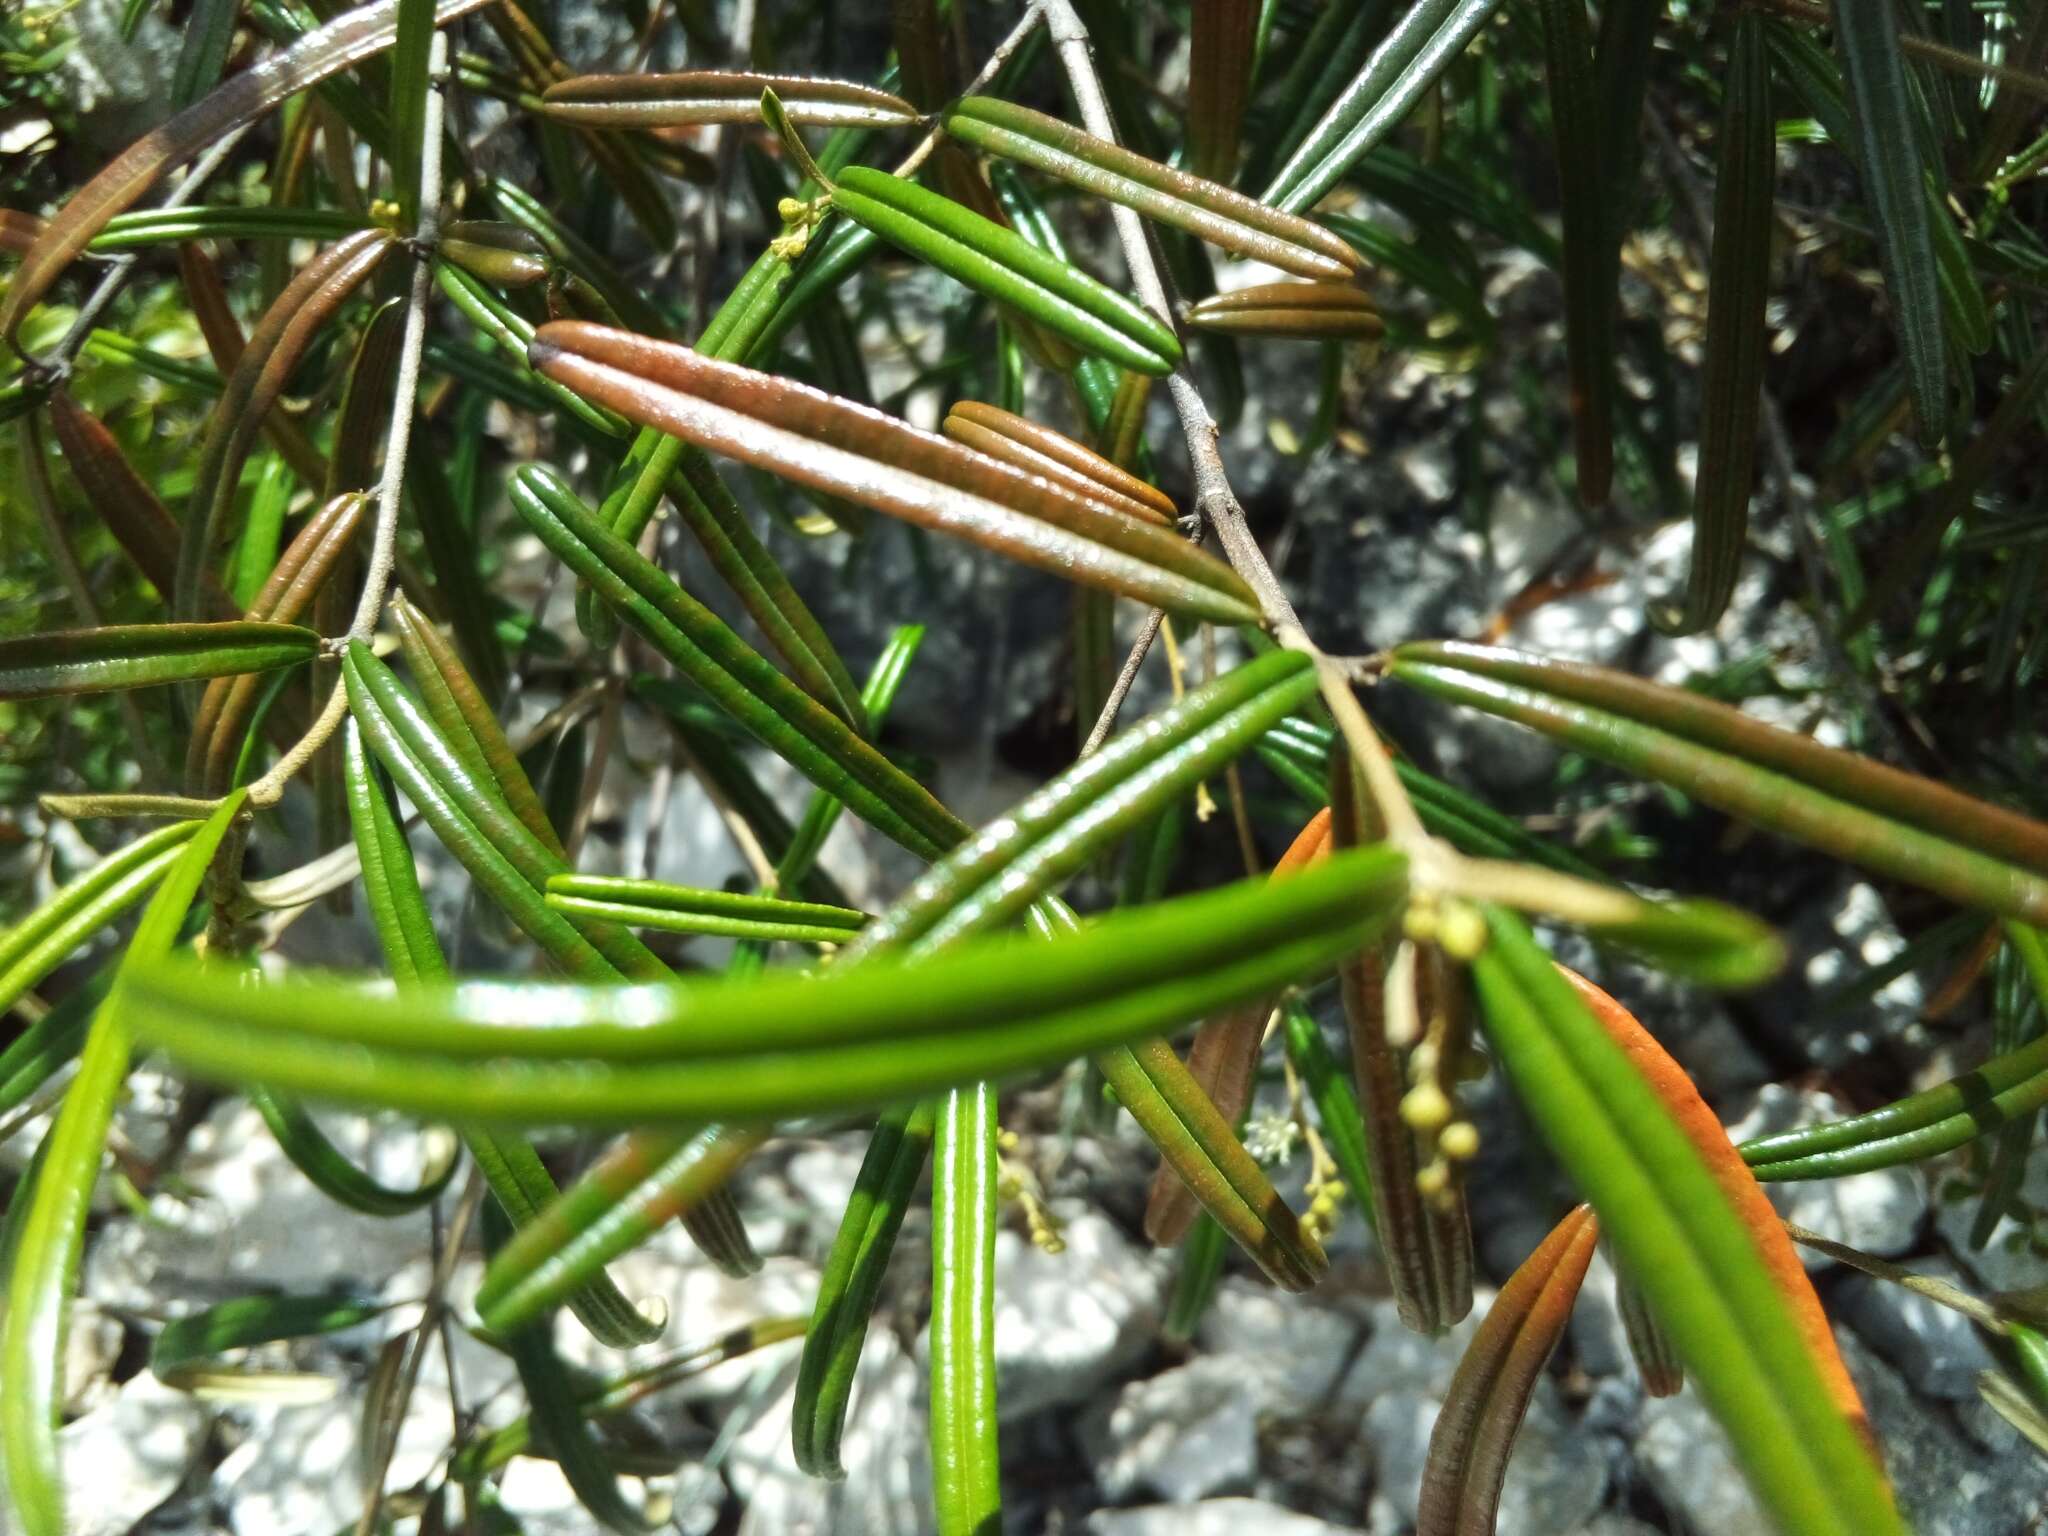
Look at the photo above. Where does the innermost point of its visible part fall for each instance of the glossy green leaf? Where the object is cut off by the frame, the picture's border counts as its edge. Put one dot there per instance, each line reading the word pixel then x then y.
pixel 518 1180
pixel 692 909
pixel 626 1197
pixel 1762 775
pixel 1226 219
pixel 852 1279
pixel 1003 265
pixel 44 939
pixel 119 656
pixel 777 1045
pixel 1201 1146
pixel 714 518
pixel 1330 1090
pixel 228 221
pixel 466 721
pixel 742 682
pixel 52 1235
pixel 1497 1375
pixel 512 332
pixel 1053 833
pixel 1672 1222
pixel 331 1171
pixel 1298 750
pixel 1889 158
pixel 191 1342
pixel 1738 343
pixel 1424 43
pixel 966 1467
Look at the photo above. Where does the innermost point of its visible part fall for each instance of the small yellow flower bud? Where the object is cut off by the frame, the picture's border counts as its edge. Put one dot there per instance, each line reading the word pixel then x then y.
pixel 1461 931
pixel 1434 1179
pixel 1420 922
pixel 1459 1141
pixel 1426 1108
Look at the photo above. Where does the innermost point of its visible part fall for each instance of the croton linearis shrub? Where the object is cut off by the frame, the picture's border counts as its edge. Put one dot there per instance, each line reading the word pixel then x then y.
pixel 278 554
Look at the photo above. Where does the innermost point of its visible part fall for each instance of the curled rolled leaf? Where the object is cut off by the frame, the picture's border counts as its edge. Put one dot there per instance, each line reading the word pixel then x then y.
pixel 1490 1392
pixel 1038 450
pixel 1972 852
pixel 1000 263
pixel 348 39
pixel 1297 311
pixel 719 96
pixel 1226 219
pixel 867 457
pixel 1695 1231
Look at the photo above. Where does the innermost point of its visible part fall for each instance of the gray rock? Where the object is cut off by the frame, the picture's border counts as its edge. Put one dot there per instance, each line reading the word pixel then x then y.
pixel 1212 1517
pixel 1835 937
pixel 1289 1351
pixel 1397 1361
pixel 886 1491
pixel 127 1456
pixel 1067 1322
pixel 2009 1259
pixel 1936 1348
pixel 1183 1434
pixel 1684 1456
pixel 1946 1487
pixel 1398 1425
pixel 1880 1212
pixel 257 1222
pixel 1557 1476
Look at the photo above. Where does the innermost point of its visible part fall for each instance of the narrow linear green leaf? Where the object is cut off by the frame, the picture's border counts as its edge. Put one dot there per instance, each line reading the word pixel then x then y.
pixel 119 656
pixel 783 1045
pixel 966 1467
pixel 1423 44
pixel 40 942
pixel 1673 1223
pixel 1763 796
pixel 1214 213
pixel 51 1238
pixel 852 1279
pixel 1738 287
pixel 1003 265
pixel 1893 169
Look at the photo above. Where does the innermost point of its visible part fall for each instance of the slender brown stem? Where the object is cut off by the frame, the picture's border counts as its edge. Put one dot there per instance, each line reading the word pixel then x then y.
pixel 269 789
pixel 1026 25
pixel 1121 688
